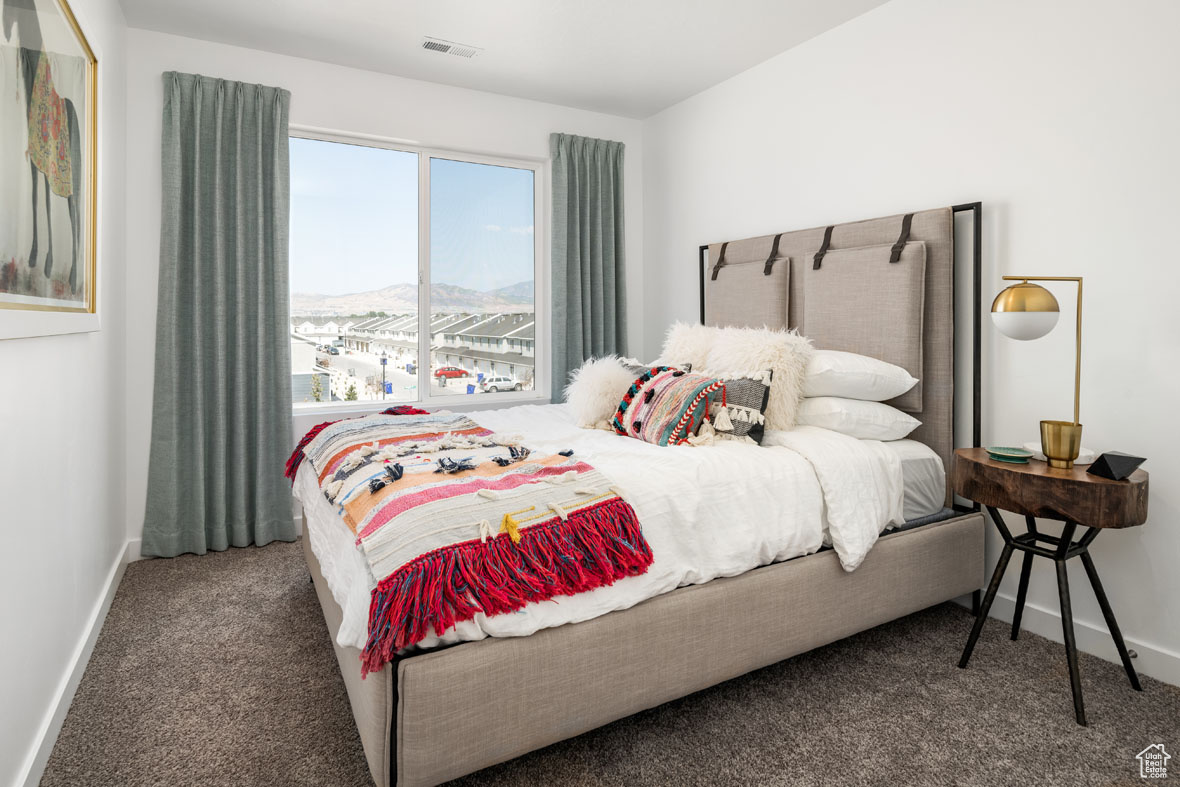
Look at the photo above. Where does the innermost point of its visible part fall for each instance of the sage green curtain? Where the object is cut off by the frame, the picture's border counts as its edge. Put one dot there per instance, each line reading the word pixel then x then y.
pixel 221 418
pixel 589 288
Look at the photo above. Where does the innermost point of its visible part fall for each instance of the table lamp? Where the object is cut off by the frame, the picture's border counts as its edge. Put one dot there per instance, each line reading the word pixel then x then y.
pixel 1027 311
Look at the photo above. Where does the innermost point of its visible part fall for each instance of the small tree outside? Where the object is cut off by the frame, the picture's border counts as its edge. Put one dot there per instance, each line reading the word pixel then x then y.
pixel 350 393
pixel 317 388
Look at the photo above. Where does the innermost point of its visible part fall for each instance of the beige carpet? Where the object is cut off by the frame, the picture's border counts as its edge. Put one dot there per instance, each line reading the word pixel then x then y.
pixel 217 670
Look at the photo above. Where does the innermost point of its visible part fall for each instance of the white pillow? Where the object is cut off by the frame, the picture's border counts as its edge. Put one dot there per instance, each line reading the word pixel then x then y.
pixel 856 418
pixel 595 390
pixel 852 376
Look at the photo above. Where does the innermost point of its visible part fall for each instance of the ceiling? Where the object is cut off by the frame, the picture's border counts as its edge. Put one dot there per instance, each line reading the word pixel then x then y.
pixel 624 57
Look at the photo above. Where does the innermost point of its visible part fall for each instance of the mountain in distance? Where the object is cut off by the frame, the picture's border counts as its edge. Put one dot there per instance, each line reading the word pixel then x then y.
pixel 521 291
pixel 402 298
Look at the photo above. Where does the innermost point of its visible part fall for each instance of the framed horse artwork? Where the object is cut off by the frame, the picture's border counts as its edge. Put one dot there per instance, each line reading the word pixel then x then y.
pixel 48 81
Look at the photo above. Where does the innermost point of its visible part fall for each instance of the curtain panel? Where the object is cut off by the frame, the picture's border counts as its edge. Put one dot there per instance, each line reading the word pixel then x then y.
pixel 589 289
pixel 221 418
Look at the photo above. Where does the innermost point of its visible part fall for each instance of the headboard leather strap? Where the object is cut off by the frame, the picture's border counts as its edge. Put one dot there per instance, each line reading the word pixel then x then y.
pixel 773 253
pixel 819 255
pixel 720 262
pixel 895 253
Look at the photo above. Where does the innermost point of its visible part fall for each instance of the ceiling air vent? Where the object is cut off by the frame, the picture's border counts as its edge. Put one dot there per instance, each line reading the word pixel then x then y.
pixel 450 47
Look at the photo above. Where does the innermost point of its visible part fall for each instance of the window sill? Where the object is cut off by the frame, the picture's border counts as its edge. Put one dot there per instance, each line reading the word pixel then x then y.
pixel 461 403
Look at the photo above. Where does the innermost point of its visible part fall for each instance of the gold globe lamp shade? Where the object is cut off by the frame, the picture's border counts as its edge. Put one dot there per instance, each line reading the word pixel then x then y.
pixel 1027 311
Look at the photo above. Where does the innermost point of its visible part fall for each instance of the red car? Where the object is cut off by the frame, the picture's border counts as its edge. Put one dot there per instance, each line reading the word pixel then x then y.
pixel 451 371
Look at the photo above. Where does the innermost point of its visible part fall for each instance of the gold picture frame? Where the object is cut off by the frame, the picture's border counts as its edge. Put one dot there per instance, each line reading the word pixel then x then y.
pixel 48 166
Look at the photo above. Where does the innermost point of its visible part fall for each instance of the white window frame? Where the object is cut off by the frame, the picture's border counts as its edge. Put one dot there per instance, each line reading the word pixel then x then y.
pixel 542 314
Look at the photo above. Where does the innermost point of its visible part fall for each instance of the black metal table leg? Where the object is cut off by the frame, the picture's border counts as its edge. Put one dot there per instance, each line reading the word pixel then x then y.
pixel 998 519
pixel 988 598
pixel 1111 623
pixel 1021 593
pixel 1022 589
pixel 1065 548
pixel 1071 647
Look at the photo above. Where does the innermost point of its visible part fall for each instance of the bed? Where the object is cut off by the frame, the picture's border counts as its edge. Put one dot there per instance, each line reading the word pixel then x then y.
pixel 718 601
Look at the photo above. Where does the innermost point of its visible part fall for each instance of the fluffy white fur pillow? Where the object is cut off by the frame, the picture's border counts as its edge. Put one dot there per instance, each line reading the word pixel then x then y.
pixel 787 353
pixel 688 344
pixel 720 350
pixel 595 390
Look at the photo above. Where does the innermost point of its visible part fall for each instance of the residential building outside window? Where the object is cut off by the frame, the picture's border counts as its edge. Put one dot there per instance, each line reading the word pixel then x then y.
pixel 401 255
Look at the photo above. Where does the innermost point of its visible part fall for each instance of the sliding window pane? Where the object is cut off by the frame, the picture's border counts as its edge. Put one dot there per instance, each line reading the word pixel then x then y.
pixel 354 273
pixel 482 266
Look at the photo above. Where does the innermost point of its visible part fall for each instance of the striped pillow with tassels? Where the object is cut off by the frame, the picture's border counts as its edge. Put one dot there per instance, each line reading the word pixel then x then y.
pixel 666 406
pixel 742 416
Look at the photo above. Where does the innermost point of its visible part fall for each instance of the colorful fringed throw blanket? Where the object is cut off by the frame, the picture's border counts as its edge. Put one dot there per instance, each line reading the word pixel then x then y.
pixel 455 520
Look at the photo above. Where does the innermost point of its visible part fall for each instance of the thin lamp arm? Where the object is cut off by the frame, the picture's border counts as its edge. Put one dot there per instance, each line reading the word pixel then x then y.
pixel 1077 368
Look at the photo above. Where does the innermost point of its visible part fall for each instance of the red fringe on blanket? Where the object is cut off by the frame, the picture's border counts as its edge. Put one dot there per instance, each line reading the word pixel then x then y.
pixel 594 547
pixel 297 455
pixel 404 409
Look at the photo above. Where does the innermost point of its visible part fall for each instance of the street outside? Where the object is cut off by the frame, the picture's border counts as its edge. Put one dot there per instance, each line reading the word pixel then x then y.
pixel 363 366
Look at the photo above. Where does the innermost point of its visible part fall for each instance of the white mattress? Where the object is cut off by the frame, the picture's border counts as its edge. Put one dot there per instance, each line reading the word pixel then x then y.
pixel 706 512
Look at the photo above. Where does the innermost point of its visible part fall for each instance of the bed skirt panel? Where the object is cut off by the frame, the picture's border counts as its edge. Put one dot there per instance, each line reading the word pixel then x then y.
pixel 371 699
pixel 476 704
pixel 467 707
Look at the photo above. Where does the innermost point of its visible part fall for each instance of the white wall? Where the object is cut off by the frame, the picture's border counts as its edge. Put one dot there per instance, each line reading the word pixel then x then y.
pixel 333 97
pixel 1063 117
pixel 61 462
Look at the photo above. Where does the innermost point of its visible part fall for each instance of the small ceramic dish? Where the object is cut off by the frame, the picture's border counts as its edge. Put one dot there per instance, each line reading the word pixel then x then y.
pixel 1003 453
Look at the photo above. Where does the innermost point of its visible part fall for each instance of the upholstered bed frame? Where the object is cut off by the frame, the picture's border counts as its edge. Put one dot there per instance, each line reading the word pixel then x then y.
pixel 883 287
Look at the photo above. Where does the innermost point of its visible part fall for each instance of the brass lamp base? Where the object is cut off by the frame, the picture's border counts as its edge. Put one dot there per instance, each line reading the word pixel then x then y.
pixel 1061 442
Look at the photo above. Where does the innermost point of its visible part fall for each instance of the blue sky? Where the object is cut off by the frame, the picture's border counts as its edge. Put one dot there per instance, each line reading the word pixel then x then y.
pixel 354 220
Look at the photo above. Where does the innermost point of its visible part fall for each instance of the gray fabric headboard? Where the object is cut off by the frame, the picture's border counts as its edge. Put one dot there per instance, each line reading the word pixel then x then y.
pixel 882 287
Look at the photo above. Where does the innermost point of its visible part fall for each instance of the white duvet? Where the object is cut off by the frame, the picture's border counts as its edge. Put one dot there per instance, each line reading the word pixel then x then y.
pixel 707 512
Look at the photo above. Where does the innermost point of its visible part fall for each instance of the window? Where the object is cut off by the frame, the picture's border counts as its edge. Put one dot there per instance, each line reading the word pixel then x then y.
pixel 400 255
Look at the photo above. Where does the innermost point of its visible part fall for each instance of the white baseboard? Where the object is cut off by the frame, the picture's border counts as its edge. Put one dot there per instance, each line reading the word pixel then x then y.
pixel 132 553
pixel 34 765
pixel 1093 638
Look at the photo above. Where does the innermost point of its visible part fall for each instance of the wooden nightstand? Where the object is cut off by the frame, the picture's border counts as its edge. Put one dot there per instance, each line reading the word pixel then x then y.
pixel 1072 496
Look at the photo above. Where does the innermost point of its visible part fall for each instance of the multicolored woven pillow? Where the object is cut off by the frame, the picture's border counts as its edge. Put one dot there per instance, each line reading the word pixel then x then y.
pixel 634 365
pixel 666 405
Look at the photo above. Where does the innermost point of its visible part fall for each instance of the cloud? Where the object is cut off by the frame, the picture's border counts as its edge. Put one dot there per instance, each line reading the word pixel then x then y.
pixel 522 230
pixel 492 227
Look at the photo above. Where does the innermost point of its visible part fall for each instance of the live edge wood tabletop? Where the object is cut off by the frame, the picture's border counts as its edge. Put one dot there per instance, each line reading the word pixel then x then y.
pixel 1072 496
pixel 1035 489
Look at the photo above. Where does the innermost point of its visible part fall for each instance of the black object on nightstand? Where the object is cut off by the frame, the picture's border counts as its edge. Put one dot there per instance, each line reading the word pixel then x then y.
pixel 1115 465
pixel 1072 496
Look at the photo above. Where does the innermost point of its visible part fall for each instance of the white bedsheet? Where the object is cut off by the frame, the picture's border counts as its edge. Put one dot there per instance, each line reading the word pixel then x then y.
pixel 707 512
pixel 923 478
pixel 861 482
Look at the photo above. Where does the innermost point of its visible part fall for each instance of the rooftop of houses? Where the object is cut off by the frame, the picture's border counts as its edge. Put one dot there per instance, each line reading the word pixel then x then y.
pixel 487 355
pixel 517 326
pixel 320 322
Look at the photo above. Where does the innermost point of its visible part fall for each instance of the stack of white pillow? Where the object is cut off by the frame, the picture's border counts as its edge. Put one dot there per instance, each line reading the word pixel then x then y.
pixel 845 392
